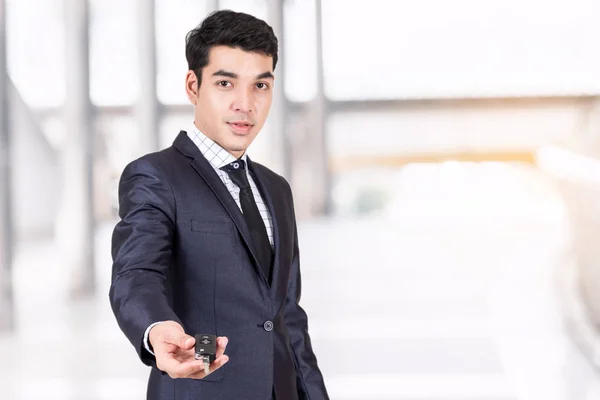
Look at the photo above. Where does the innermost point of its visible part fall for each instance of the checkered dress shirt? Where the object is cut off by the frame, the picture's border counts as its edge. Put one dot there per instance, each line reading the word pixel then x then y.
pixel 219 157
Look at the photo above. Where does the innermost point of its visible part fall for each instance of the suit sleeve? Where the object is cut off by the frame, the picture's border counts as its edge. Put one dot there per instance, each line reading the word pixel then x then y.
pixel 142 243
pixel 310 383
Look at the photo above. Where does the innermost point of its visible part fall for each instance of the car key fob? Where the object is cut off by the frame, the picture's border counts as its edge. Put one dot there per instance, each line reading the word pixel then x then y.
pixel 206 350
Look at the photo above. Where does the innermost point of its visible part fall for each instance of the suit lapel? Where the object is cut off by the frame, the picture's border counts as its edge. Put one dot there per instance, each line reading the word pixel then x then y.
pixel 185 145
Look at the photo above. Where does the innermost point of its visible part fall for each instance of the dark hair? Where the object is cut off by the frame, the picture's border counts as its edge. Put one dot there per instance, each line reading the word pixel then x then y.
pixel 228 28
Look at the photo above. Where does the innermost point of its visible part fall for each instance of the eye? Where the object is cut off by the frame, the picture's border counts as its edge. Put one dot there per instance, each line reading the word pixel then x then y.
pixel 224 84
pixel 262 86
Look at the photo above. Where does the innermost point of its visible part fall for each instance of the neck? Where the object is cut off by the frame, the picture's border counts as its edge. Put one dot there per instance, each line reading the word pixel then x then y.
pixel 236 154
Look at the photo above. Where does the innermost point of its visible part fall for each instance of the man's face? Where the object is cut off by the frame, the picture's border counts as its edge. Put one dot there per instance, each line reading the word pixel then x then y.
pixel 234 97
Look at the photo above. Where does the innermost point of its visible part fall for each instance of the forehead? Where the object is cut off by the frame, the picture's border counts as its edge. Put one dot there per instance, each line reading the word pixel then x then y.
pixel 240 62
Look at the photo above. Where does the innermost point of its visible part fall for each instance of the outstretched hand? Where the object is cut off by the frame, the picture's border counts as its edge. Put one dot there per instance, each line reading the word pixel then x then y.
pixel 174 351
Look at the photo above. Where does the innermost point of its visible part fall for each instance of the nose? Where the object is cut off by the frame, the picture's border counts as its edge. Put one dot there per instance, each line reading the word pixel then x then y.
pixel 243 102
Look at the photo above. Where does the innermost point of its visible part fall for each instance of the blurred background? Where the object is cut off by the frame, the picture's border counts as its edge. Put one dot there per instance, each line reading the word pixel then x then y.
pixel 445 162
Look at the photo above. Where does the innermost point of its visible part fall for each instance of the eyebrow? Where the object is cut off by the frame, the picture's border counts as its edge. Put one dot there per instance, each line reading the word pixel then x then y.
pixel 265 75
pixel 233 75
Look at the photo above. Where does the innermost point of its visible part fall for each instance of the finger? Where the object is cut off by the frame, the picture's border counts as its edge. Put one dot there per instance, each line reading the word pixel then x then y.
pixel 221 345
pixel 179 338
pixel 215 365
pixel 170 348
pixel 185 355
pixel 165 348
pixel 186 369
pixel 167 363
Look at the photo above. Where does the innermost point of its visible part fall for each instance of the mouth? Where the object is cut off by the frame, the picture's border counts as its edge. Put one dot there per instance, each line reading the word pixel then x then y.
pixel 240 127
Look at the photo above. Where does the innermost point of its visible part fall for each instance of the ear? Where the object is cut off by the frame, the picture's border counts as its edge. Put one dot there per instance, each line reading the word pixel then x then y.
pixel 191 86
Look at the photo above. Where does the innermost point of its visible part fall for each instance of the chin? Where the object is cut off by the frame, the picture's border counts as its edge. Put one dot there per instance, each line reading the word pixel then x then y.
pixel 237 146
pixel 242 142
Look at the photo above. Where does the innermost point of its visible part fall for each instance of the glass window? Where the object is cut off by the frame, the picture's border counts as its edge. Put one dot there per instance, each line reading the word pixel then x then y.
pixel 460 48
pixel 36 51
pixel 117 144
pixel 113 55
pixel 121 139
pixel 174 19
pixel 258 8
pixel 171 125
pixel 299 45
pixel 424 132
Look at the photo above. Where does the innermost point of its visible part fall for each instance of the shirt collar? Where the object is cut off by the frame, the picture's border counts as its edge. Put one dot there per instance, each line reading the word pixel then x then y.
pixel 217 156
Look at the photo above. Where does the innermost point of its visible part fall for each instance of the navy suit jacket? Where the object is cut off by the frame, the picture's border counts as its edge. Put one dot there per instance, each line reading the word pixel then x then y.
pixel 182 252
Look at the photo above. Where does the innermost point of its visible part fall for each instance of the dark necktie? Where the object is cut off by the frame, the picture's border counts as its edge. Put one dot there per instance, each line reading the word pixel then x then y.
pixel 237 172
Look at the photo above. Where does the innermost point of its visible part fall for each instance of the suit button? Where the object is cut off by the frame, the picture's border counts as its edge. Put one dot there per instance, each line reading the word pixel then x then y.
pixel 268 326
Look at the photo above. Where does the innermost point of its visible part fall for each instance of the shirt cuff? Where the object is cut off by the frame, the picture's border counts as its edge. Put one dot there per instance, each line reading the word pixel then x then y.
pixel 146 336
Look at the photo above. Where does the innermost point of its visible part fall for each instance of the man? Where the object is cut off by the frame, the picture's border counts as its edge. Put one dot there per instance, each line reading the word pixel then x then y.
pixel 207 241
